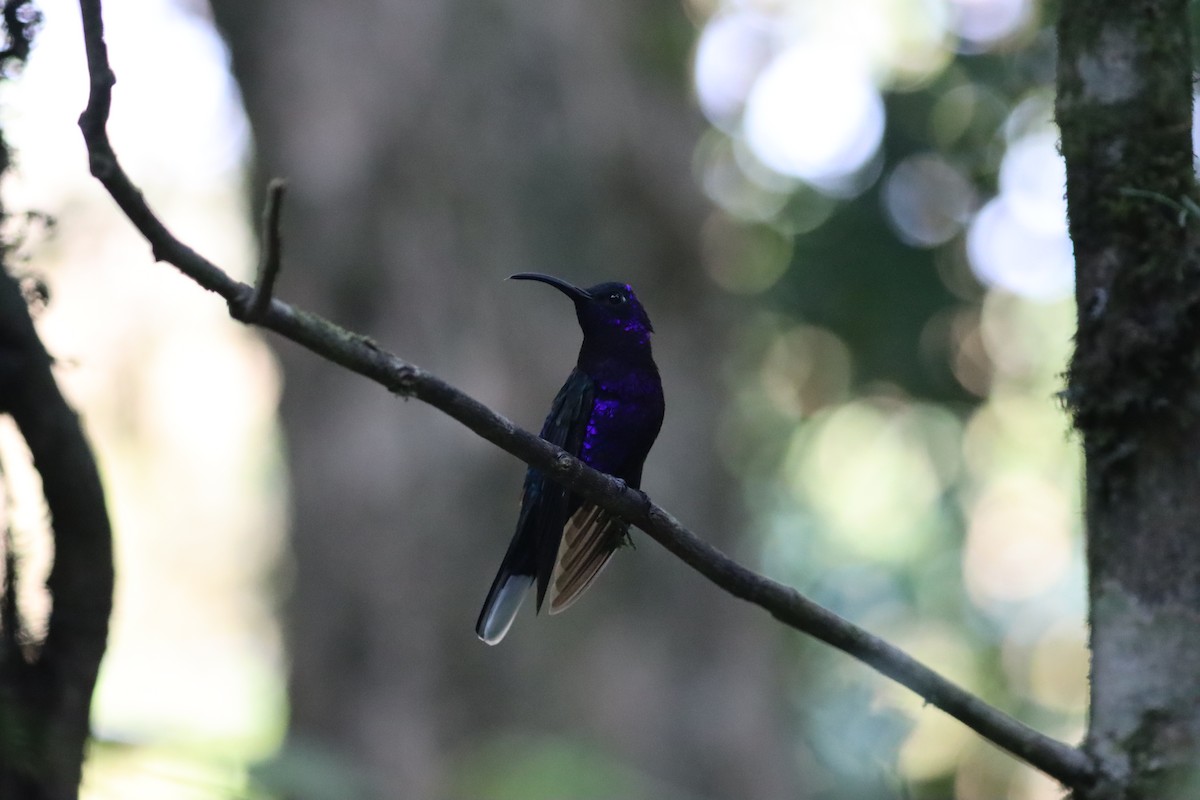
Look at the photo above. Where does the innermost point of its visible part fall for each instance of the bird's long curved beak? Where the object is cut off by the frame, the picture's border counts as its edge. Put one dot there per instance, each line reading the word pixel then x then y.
pixel 573 292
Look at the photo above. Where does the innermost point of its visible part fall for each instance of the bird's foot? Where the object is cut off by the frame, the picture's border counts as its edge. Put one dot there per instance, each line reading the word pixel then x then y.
pixel 626 540
pixel 643 498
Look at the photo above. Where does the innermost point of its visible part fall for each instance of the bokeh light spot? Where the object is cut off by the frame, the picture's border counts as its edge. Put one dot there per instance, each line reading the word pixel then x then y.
pixel 1059 669
pixel 805 369
pixel 745 259
pixel 814 114
pixel 725 181
pixel 1006 253
pixel 1034 177
pixel 1018 541
pixel 865 468
pixel 732 51
pixel 983 23
pixel 1019 240
pixel 927 200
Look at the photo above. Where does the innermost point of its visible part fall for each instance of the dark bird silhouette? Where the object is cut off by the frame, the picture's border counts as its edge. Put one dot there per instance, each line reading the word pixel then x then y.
pixel 607 414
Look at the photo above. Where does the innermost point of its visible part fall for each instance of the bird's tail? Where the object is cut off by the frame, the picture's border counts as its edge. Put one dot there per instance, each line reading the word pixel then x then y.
pixel 502 604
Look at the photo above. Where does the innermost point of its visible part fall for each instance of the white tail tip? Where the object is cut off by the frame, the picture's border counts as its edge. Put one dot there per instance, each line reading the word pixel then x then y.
pixel 503 609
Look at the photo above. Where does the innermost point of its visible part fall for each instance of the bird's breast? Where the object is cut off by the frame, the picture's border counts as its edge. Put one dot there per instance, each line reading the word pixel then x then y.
pixel 625 417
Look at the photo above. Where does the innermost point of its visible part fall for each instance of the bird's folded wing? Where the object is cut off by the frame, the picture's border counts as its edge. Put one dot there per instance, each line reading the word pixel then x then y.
pixel 589 538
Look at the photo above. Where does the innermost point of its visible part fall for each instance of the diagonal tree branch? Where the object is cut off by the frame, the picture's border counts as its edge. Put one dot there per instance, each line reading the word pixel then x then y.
pixel 359 354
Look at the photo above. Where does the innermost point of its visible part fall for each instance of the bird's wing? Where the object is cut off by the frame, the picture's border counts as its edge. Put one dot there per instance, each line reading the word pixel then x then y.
pixel 589 539
pixel 544 512
pixel 567 422
pixel 565 426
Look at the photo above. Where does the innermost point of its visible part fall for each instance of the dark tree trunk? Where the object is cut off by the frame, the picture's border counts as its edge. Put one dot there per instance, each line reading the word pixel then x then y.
pixel 46 686
pixel 1125 109
pixel 45 695
pixel 432 149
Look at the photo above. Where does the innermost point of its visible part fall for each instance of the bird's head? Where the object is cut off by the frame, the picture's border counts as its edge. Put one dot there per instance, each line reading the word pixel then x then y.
pixel 609 311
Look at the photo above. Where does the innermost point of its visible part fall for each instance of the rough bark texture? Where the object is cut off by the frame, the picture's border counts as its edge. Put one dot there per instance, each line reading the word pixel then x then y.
pixel 431 150
pixel 1125 109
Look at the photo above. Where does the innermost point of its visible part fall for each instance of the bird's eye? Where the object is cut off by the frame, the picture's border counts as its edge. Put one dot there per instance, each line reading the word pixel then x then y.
pixel 616 298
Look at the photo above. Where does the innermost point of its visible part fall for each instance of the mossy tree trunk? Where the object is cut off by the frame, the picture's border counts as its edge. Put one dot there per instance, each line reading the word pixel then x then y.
pixel 1125 110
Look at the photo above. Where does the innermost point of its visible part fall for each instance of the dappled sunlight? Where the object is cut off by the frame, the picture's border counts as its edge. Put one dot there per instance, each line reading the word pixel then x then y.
pixel 801 82
pixel 886 480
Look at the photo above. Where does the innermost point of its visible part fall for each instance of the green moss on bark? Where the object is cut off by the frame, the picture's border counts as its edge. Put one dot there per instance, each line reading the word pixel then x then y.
pixel 1125 107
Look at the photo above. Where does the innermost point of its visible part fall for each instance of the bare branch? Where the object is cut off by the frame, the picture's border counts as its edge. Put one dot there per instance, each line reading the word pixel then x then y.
pixel 359 354
pixel 269 259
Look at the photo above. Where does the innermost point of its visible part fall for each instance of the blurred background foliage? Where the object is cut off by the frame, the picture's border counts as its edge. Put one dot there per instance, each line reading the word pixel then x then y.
pixel 890 169
pixel 884 237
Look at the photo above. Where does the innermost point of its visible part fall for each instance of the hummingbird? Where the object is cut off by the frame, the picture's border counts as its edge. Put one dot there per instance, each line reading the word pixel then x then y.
pixel 607 415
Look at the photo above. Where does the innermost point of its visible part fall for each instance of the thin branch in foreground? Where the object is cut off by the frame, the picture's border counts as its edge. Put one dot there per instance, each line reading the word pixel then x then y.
pixel 355 352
